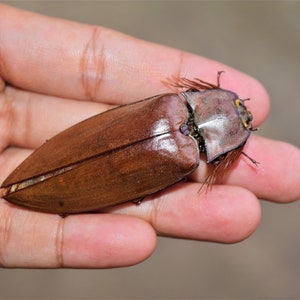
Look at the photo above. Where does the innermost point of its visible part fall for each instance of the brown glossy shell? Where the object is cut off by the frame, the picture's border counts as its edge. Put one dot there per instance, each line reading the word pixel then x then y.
pixel 120 155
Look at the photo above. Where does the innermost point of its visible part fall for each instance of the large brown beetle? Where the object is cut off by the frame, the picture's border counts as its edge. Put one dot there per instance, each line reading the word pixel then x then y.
pixel 134 150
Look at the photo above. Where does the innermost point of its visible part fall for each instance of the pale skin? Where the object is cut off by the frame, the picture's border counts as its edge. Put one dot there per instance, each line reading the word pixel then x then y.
pixel 54 73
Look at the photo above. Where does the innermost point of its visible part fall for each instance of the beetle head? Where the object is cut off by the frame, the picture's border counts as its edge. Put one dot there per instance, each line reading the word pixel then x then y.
pixel 222 119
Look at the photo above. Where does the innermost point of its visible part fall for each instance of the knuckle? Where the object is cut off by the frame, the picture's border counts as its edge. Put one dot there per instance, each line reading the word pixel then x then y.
pixel 6 218
pixel 6 120
pixel 93 64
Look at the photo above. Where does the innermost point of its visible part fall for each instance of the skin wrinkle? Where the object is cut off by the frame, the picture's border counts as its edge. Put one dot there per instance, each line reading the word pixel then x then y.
pixel 157 207
pixel 27 118
pixel 92 65
pixel 11 115
pixel 154 212
pixel 5 110
pixel 59 242
pixel 6 119
pixel 3 70
pixel 2 85
pixel 7 216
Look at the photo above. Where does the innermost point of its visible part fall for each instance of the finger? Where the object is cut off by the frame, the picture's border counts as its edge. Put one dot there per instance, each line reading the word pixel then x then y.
pixel 277 175
pixel 81 241
pixel 275 178
pixel 92 60
pixel 28 119
pixel 227 214
pixel 10 159
pixel 86 62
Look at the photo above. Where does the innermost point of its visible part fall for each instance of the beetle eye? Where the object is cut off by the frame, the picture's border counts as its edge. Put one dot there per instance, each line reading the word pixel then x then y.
pixel 250 116
pixel 245 115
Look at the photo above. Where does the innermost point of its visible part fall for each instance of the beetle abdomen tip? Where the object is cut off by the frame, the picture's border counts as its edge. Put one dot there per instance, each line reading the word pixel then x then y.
pixel 3 192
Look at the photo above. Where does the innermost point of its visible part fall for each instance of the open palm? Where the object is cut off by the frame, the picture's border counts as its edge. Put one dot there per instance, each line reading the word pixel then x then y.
pixel 55 73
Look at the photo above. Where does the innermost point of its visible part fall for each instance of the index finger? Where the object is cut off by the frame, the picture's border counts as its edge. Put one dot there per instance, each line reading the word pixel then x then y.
pixel 76 61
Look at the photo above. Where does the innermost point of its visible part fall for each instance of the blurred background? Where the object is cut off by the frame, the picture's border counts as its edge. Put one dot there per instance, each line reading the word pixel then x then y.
pixel 258 38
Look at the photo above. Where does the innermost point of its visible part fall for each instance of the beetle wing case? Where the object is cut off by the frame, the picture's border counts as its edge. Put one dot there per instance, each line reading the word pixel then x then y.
pixel 117 156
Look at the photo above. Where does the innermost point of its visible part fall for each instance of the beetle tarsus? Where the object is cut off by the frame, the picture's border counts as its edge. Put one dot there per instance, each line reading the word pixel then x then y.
pixel 255 162
pixel 138 201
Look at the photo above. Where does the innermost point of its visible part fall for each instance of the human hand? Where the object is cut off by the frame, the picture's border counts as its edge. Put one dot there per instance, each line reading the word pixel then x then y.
pixel 55 73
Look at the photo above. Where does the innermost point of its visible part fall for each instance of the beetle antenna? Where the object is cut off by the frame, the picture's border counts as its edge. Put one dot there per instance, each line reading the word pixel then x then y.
pixel 255 162
pixel 192 85
pixel 218 78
